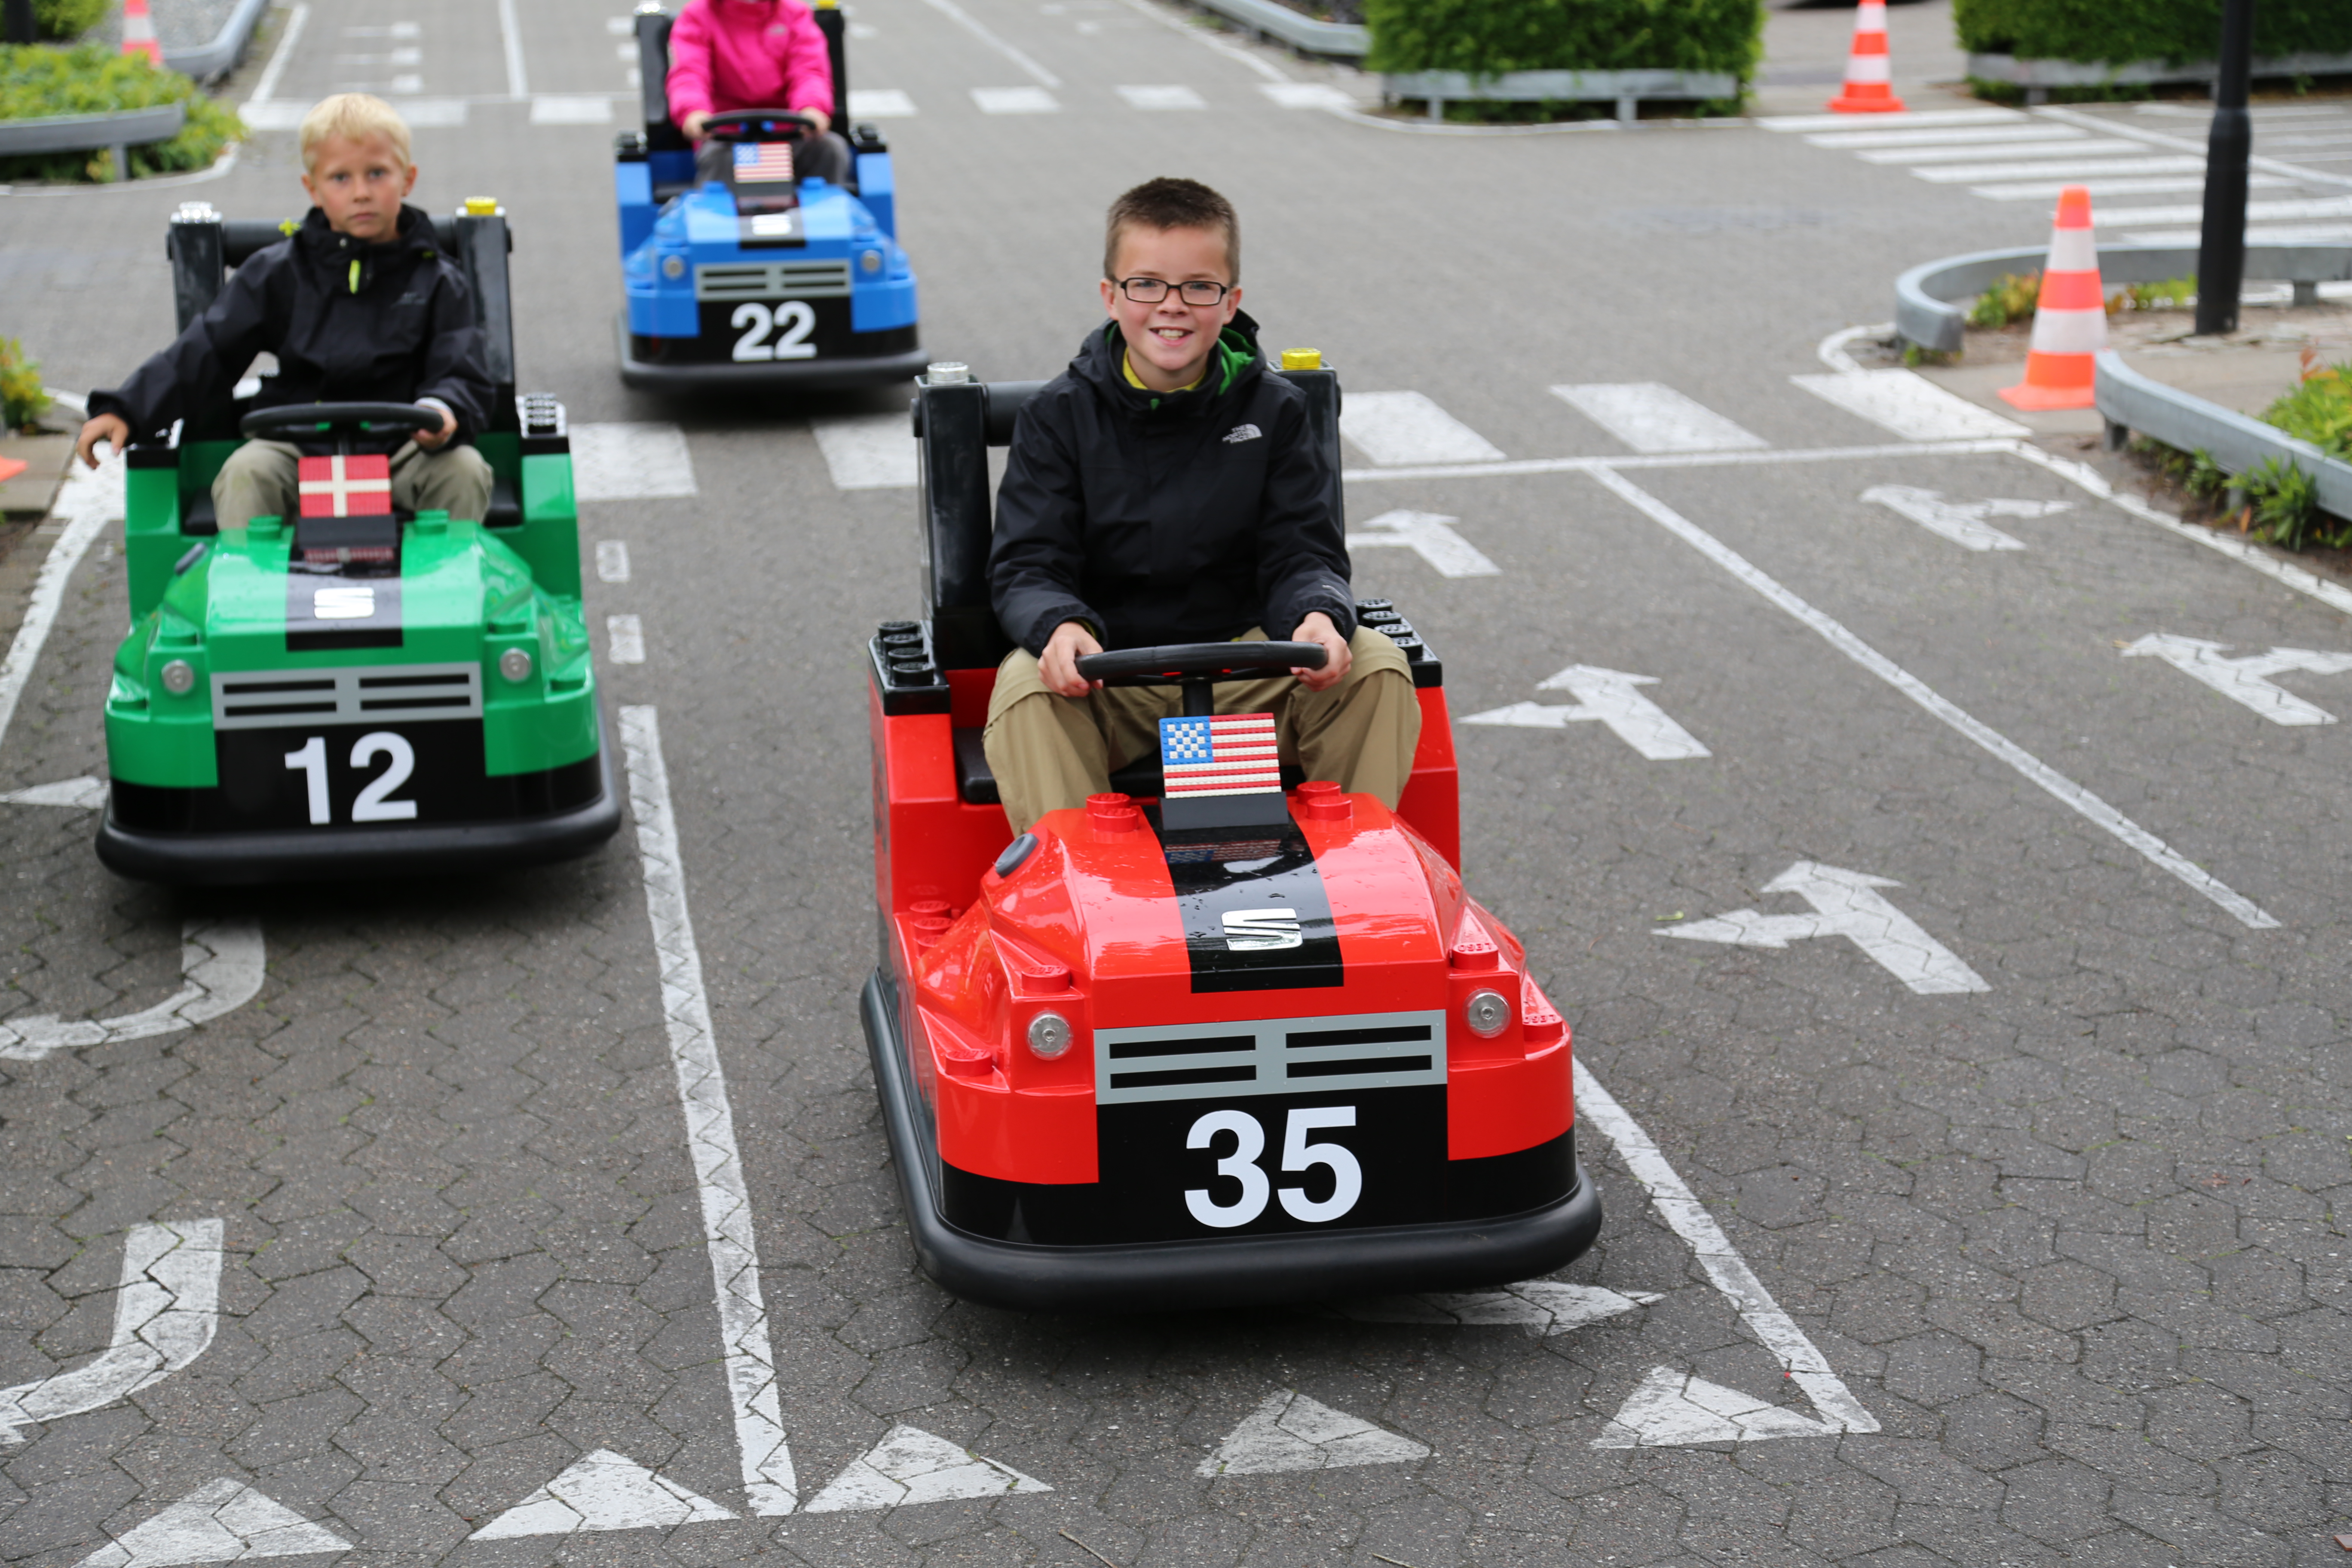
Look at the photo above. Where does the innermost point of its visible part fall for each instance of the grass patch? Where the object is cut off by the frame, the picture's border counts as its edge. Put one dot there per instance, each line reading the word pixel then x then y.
pixel 37 82
pixel 2014 297
pixel 2319 410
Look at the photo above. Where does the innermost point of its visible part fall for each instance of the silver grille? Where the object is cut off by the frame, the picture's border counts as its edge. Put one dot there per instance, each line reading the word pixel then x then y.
pixel 284 698
pixel 771 281
pixel 1276 1056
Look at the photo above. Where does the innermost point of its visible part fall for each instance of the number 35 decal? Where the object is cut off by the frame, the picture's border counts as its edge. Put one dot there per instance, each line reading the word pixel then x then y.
pixel 1298 1154
pixel 400 761
pixel 792 320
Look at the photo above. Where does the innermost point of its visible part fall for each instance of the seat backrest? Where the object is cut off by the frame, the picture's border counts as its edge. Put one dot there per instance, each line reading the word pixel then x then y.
pixel 653 28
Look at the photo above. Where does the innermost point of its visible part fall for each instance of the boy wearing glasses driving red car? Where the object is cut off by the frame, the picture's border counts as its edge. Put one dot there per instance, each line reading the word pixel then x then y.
pixel 1164 489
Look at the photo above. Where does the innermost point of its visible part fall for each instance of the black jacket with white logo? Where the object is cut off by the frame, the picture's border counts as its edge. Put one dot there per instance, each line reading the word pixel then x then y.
pixel 1160 518
pixel 349 321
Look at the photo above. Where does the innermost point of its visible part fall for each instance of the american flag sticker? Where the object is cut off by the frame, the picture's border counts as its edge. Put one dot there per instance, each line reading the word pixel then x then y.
pixel 345 487
pixel 1230 754
pixel 763 162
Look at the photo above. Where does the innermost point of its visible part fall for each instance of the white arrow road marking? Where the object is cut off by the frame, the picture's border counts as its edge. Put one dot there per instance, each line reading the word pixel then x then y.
pixel 1431 536
pixel 1671 1407
pixel 1648 1419
pixel 603 1491
pixel 709 1129
pixel 1292 1432
pixel 224 962
pixel 1541 1307
pixel 166 1311
pixel 1962 522
pixel 1846 904
pixel 1603 696
pixel 87 502
pixel 2247 679
pixel 221 1521
pixel 77 794
pixel 910 1466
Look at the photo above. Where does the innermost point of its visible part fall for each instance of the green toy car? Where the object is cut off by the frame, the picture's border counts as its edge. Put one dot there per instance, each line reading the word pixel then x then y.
pixel 330 698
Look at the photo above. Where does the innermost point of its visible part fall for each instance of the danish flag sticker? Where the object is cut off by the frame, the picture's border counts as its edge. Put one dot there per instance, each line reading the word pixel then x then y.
pixel 346 487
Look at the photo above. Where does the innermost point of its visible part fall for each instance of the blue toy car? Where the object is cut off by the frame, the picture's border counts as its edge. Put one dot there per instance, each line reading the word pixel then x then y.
pixel 745 281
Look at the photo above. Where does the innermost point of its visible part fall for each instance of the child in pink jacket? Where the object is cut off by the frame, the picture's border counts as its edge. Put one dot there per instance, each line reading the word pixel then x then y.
pixel 754 54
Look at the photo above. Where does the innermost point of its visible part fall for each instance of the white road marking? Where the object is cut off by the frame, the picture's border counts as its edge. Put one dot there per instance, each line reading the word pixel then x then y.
pixel 2316 234
pixel 2182 143
pixel 628 52
pixel 972 24
pixel 630 462
pixel 1541 1307
pixel 571 109
pixel 909 1466
pixel 1787 122
pixel 1429 535
pixel 2247 680
pixel 1847 904
pixel 1392 428
pixel 867 451
pixel 223 963
pixel 1209 39
pixel 881 103
pixel 2047 190
pixel 2073 174
pixel 709 1129
pixel 611 561
pixel 1603 696
pixel 1515 467
pixel 624 638
pixel 221 1521
pixel 75 795
pixel 86 503
pixel 166 1308
pixel 265 88
pixel 621 26
pixel 1728 1272
pixel 1962 522
pixel 604 1491
pixel 1161 98
pixel 1669 1407
pixel 273 114
pixel 1305 95
pixel 1288 1431
pixel 1651 418
pixel 1908 404
pixel 2086 148
pixel 1015 100
pixel 1951 136
pixel 2064 790
pixel 510 33
pixel 2256 212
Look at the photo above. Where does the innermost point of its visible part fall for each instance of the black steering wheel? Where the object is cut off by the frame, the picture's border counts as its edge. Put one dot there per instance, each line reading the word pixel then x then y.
pixel 343 418
pixel 758 125
pixel 1199 666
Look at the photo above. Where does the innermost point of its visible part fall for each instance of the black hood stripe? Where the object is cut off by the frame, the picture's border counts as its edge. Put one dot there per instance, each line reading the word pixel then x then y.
pixel 1256 914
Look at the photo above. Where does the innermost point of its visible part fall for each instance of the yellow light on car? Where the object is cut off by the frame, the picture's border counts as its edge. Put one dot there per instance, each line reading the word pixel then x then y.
pixel 482 207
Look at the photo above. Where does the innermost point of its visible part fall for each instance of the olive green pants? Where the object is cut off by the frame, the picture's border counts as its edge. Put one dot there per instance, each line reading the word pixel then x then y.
pixel 260 480
pixel 1049 751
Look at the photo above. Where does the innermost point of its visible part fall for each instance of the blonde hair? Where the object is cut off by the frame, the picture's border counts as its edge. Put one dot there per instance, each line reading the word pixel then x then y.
pixel 354 116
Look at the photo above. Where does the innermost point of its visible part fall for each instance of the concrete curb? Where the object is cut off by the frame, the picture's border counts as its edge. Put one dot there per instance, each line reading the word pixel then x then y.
pixel 2046 74
pixel 1344 41
pixel 1625 88
pixel 219 56
pixel 2130 401
pixel 1926 313
pixel 89 132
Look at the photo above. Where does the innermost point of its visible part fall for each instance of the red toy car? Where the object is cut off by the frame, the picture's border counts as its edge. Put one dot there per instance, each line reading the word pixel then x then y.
pixel 1162 1054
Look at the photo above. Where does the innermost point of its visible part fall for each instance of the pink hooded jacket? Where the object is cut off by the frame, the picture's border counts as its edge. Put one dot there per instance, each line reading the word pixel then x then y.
pixel 747 53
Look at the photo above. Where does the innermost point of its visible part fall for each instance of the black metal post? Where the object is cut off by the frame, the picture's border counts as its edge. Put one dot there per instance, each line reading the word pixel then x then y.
pixel 20 26
pixel 2221 250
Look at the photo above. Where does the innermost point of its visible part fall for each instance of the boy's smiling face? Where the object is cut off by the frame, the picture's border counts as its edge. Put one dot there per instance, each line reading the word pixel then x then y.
pixel 359 184
pixel 1169 343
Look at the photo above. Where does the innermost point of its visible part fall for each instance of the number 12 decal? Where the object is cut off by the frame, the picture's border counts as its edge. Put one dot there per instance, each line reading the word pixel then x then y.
pixel 792 320
pixel 1298 1154
pixel 400 762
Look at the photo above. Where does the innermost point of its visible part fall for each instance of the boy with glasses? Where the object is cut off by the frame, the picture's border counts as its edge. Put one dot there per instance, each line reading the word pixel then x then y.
pixel 1164 489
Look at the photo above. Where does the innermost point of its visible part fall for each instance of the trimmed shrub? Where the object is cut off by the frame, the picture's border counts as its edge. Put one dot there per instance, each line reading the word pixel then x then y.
pixel 68 18
pixel 21 400
pixel 2170 30
pixel 1488 38
pixel 35 82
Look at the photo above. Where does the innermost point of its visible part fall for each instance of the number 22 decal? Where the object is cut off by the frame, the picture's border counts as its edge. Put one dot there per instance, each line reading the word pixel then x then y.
pixel 400 762
pixel 792 321
pixel 1298 1154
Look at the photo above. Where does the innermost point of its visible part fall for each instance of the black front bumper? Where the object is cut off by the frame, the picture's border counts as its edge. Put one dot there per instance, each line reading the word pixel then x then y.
pixel 1179 1276
pixel 783 375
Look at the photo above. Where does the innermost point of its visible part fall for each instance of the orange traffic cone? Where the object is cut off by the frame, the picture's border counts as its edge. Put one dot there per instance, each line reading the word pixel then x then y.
pixel 1869 73
pixel 2070 322
pixel 139 32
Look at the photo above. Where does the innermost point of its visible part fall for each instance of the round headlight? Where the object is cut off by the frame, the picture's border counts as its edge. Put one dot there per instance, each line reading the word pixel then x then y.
pixel 515 664
pixel 871 260
pixel 179 675
pixel 1049 1035
pixel 673 267
pixel 1487 1013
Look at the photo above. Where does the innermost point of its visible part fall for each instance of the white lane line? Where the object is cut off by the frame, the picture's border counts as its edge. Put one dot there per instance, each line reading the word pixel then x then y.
pixel 1513 467
pixel 630 462
pixel 87 502
pixel 2059 787
pixel 1726 1269
pixel 1392 428
pixel 2102 127
pixel 881 103
pixel 1968 173
pixel 611 561
pixel 867 451
pixel 1651 417
pixel 2086 147
pixel 1305 95
pixel 571 109
pixel 972 24
pixel 1209 40
pixel 265 89
pixel 2256 212
pixel 709 1129
pixel 223 963
pixel 2311 234
pixel 166 1310
pixel 510 33
pixel 1908 404
pixel 1787 122
pixel 1161 98
pixel 2048 190
pixel 1015 100
pixel 1958 136
pixel 621 26
pixel 624 640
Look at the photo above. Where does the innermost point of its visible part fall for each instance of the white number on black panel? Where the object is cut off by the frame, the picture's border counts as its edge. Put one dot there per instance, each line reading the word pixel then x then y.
pixel 792 321
pixel 1240 1163
pixel 372 804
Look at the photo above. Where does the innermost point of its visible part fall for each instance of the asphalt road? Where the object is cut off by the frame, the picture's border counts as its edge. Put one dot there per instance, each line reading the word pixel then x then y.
pixel 2019 1162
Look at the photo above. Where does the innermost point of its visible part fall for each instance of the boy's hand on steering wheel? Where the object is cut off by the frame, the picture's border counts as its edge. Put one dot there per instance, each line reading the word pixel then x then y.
pixel 109 428
pixel 1058 665
pixel 433 441
pixel 1317 628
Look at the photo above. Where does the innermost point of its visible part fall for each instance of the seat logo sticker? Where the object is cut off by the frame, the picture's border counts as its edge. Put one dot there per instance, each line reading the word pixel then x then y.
pixel 1261 931
pixel 346 602
pixel 1242 432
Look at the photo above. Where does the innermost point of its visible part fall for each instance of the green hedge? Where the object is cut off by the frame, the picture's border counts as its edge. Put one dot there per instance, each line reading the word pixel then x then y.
pixel 2173 30
pixel 35 82
pixel 1489 37
pixel 68 18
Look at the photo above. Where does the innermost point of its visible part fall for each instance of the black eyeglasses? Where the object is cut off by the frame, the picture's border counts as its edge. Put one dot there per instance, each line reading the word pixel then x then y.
pixel 1151 291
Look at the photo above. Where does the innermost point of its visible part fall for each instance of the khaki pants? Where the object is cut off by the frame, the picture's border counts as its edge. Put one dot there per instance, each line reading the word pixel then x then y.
pixel 259 478
pixel 1049 751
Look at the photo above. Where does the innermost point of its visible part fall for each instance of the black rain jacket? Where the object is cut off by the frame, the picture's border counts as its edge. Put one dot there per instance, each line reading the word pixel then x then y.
pixel 349 321
pixel 1160 518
